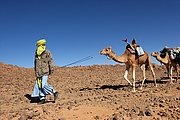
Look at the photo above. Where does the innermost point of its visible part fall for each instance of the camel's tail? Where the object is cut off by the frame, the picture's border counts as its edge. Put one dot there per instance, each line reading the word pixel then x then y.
pixel 147 66
pixel 148 62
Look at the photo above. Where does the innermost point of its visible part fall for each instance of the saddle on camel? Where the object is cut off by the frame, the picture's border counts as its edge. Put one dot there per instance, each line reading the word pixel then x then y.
pixel 134 48
pixel 174 53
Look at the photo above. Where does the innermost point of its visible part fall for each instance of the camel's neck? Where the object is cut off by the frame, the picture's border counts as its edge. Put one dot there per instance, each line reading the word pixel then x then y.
pixel 120 59
pixel 163 60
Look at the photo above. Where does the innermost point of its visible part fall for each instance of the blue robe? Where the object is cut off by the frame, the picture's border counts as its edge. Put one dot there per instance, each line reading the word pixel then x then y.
pixel 45 90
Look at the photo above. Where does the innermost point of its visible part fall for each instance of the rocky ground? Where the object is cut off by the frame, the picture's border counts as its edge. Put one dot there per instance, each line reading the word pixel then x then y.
pixel 96 92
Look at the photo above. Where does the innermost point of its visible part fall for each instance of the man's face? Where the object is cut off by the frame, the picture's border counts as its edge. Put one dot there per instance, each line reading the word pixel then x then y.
pixel 134 45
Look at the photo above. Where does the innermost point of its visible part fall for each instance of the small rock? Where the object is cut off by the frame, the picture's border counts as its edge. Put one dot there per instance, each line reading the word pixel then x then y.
pixel 62 119
pixel 69 107
pixel 178 88
pixel 38 110
pixel 141 113
pixel 148 112
pixel 162 113
pixel 161 105
pixel 96 117
pixel 115 116
pixel 178 98
pixel 162 100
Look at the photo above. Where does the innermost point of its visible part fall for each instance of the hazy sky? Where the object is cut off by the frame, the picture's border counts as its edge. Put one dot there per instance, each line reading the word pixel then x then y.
pixel 75 29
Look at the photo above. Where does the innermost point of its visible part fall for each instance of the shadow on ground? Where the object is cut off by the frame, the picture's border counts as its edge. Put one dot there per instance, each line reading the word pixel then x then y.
pixel 32 99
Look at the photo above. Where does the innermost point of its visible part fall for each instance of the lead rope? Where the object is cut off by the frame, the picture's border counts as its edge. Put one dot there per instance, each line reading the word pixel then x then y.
pixel 78 61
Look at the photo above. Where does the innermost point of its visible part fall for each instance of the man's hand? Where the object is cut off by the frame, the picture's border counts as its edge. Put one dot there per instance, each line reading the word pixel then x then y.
pixel 49 77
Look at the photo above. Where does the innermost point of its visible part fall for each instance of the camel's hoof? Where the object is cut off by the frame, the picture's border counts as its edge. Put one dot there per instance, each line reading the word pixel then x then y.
pixel 133 91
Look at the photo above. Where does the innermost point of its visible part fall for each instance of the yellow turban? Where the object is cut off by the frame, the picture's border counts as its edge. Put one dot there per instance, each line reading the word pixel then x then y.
pixel 41 42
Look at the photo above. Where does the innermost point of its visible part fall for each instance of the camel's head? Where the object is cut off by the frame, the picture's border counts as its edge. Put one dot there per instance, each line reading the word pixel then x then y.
pixel 154 54
pixel 106 51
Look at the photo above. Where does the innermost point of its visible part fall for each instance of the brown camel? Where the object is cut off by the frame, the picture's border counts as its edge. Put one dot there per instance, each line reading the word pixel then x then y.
pixel 131 60
pixel 168 63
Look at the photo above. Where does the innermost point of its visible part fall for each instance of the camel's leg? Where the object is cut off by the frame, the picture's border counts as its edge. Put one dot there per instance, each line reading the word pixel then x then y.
pixel 177 76
pixel 144 75
pixel 177 72
pixel 125 76
pixel 168 72
pixel 154 76
pixel 134 81
pixel 171 69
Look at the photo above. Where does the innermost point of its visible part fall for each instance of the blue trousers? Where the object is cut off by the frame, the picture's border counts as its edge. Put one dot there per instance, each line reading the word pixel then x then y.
pixel 45 89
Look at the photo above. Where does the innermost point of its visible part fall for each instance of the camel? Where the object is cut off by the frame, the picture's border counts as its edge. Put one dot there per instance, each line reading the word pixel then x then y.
pixel 168 63
pixel 131 60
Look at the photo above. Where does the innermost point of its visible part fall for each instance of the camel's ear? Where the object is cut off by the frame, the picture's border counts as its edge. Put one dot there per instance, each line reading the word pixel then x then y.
pixel 110 47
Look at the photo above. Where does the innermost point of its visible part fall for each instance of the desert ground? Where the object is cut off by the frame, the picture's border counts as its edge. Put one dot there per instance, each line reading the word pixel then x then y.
pixel 97 92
